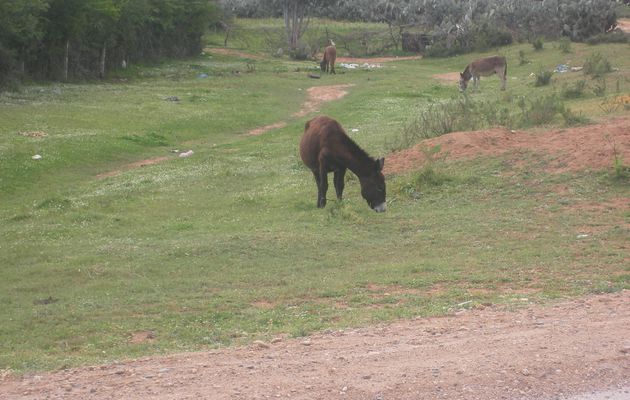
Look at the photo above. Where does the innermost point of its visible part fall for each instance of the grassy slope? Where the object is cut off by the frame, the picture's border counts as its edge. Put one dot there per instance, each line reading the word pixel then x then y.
pixel 227 246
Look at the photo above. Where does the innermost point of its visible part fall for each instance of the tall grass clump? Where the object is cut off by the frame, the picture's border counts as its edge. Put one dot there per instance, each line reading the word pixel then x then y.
pixel 573 91
pixel 616 36
pixel 463 113
pixel 565 45
pixel 540 110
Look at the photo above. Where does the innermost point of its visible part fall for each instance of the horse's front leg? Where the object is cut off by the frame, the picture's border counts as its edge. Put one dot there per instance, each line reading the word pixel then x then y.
pixel 339 182
pixel 476 82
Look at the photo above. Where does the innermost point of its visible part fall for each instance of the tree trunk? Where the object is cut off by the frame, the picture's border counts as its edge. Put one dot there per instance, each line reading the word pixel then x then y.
pixel 101 72
pixel 66 58
pixel 294 13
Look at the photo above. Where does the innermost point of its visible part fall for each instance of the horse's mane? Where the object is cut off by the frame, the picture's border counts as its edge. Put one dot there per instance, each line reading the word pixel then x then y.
pixel 358 151
pixel 466 72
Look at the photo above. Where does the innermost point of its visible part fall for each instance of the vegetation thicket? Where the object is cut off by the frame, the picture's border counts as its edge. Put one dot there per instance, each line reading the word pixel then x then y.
pixel 70 39
pixel 454 27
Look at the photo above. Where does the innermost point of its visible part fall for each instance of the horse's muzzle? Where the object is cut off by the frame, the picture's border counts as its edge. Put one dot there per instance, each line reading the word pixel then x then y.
pixel 381 207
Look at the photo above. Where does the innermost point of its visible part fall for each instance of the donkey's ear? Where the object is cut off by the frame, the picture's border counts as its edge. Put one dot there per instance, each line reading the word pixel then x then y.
pixel 461 74
pixel 379 164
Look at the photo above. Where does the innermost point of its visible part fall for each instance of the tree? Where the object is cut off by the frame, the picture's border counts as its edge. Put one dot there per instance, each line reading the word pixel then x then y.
pixel 20 31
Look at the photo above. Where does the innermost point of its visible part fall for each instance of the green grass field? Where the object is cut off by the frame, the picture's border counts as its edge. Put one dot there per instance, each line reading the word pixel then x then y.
pixel 227 246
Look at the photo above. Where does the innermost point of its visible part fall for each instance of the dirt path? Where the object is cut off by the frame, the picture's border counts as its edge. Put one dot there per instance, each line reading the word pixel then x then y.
pixel 534 353
pixel 317 95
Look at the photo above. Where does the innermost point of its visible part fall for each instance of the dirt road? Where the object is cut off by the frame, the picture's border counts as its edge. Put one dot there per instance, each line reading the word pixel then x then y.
pixel 553 352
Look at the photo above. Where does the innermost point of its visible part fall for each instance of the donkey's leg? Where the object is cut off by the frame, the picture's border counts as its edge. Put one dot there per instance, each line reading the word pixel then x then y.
pixel 339 182
pixel 317 181
pixel 501 74
pixel 322 187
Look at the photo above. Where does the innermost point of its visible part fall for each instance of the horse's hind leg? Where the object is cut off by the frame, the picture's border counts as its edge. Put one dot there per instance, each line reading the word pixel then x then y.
pixel 339 182
pixel 322 187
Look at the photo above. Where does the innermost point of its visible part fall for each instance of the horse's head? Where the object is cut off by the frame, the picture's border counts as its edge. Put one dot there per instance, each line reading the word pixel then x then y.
pixel 373 187
pixel 463 82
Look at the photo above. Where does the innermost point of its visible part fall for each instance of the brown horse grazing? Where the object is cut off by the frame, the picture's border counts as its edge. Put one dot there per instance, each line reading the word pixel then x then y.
pixel 325 148
pixel 483 67
pixel 328 61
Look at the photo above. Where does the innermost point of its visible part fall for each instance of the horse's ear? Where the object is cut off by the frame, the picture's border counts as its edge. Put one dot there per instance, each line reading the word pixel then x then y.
pixel 461 74
pixel 379 164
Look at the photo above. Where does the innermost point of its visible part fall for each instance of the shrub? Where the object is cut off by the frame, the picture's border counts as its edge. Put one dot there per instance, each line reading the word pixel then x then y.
pixel 596 65
pixel 537 44
pixel 543 77
pixel 301 52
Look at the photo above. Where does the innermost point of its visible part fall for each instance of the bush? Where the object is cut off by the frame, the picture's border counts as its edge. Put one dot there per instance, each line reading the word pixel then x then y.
pixel 538 44
pixel 596 65
pixel 301 52
pixel 543 77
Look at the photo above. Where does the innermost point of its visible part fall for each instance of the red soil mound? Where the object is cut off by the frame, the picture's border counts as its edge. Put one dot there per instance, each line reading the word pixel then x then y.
pixel 570 149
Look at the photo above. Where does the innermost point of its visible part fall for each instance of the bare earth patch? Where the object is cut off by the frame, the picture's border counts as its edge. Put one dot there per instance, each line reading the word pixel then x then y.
pixel 624 24
pixel 317 95
pixel 133 165
pixel 537 352
pixel 570 149
pixel 447 77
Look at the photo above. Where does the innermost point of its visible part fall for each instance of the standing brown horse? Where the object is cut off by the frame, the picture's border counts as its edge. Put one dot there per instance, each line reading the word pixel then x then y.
pixel 483 67
pixel 325 148
pixel 328 61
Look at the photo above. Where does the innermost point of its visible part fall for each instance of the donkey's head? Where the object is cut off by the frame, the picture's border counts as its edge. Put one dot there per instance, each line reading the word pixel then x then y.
pixel 373 187
pixel 463 81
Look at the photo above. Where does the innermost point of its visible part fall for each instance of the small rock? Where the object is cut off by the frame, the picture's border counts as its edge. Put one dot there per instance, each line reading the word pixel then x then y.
pixel 306 342
pixel 186 154
pixel 37 157
pixel 525 372
pixel 276 340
